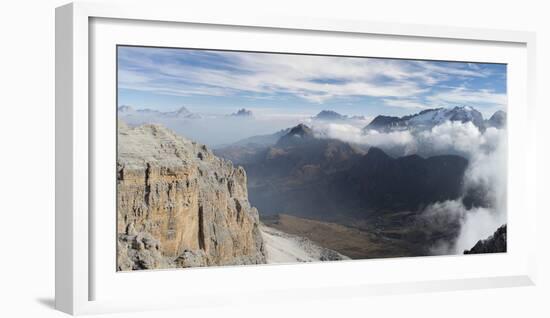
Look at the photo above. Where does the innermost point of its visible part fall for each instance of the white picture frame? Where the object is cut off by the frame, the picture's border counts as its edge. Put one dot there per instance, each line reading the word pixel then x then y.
pixel 77 164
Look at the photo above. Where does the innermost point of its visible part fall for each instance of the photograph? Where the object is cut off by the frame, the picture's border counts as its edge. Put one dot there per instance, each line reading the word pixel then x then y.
pixel 229 158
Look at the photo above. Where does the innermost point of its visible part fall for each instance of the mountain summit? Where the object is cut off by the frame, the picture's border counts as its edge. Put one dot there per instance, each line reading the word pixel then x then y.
pixel 330 115
pixel 243 112
pixel 300 130
pixel 296 134
pixel 182 112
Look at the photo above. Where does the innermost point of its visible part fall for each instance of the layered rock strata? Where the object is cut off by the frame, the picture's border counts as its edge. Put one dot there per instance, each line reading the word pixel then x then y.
pixel 178 205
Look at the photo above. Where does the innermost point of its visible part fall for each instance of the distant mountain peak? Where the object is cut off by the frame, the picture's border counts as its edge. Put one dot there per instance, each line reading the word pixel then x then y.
pixel 243 112
pixel 330 115
pixel 183 111
pixel 300 130
pixel 383 122
pixel 296 134
pixel 125 108
pixel 465 114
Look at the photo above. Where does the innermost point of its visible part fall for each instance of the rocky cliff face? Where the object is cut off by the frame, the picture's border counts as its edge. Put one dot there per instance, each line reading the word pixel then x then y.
pixel 178 205
pixel 493 244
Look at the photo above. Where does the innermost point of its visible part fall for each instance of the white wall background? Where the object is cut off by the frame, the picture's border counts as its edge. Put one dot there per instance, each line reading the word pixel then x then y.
pixel 27 158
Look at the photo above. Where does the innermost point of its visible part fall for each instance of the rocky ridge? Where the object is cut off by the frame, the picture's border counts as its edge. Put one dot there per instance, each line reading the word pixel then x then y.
pixel 495 243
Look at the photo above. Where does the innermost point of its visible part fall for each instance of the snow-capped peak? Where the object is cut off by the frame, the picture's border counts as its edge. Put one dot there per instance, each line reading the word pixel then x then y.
pixel 428 118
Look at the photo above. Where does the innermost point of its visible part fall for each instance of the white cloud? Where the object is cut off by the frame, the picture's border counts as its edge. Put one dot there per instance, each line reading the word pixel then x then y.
pixel 404 103
pixel 455 71
pixel 316 79
pixel 464 96
pixel 353 134
pixel 132 77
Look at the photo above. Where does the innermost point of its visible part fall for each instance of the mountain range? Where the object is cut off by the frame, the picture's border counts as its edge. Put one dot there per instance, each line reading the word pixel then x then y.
pixel 246 150
pixel 425 119
pixel 293 167
pixel 308 176
pixel 126 111
pixel 429 118
pixel 182 112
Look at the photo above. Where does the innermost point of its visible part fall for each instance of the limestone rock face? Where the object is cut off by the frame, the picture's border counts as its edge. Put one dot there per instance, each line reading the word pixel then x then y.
pixel 178 205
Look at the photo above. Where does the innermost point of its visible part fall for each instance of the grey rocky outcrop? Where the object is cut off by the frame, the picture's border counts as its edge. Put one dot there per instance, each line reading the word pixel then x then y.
pixel 178 205
pixel 495 243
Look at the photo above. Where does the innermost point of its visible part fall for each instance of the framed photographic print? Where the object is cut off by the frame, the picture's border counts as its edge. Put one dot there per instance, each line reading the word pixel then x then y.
pixel 233 155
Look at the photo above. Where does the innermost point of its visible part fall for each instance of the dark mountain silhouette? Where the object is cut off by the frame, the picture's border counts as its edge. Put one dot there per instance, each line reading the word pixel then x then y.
pixel 243 113
pixel 297 135
pixel 308 176
pixel 299 153
pixel 406 183
pixel 495 243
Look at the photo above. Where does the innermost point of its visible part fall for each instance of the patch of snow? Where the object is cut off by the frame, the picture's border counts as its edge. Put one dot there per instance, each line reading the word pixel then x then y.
pixel 281 247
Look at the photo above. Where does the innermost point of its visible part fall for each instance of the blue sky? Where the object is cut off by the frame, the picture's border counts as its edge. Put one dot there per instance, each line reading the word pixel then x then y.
pixel 222 82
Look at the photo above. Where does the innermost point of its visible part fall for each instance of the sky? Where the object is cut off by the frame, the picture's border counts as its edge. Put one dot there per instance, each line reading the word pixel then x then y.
pixel 220 82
